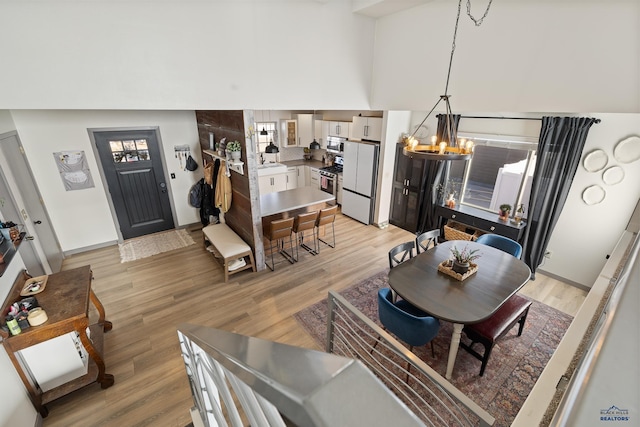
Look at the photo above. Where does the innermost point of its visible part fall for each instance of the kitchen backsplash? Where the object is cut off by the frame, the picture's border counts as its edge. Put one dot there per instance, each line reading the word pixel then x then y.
pixel 296 153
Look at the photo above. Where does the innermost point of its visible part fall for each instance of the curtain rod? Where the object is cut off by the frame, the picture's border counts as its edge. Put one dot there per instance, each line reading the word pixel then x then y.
pixel 508 118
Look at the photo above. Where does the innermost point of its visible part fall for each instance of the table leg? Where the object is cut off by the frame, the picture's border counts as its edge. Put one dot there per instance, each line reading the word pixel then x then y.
pixel 107 325
pixel 453 349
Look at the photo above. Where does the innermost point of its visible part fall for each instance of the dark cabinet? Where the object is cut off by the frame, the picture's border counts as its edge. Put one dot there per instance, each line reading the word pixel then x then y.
pixel 407 191
pixel 477 219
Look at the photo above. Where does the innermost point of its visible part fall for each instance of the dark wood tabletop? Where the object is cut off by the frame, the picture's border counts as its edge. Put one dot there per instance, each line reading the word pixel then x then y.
pixel 499 276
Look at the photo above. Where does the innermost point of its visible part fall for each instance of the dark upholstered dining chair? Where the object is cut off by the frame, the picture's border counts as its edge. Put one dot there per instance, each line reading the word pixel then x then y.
pixel 513 311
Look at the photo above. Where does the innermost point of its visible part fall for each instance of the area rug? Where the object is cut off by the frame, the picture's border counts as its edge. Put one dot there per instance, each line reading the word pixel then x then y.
pixel 514 366
pixel 153 244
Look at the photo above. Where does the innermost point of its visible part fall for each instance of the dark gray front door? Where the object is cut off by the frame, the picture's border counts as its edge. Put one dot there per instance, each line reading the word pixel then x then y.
pixel 133 169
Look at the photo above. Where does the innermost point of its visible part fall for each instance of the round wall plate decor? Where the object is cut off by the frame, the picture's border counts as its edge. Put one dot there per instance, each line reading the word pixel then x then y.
pixel 595 161
pixel 593 195
pixel 613 175
pixel 627 150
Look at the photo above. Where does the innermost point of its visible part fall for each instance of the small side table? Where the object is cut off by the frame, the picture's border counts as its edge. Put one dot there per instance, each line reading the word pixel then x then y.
pixel 66 302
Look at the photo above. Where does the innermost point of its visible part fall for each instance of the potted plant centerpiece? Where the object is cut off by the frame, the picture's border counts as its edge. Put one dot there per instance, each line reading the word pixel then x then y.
pixel 505 209
pixel 234 148
pixel 462 259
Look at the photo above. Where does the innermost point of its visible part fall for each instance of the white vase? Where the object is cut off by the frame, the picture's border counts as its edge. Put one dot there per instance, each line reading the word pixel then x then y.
pixel 235 155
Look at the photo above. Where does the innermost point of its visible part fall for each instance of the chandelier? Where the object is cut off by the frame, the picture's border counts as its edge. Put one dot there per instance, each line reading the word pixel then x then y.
pixel 450 147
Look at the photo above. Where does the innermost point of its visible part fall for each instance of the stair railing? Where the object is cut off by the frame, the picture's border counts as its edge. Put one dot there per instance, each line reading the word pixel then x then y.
pixel 238 380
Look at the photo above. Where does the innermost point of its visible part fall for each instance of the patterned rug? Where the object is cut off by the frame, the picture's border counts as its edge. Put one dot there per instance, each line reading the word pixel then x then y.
pixel 146 246
pixel 514 366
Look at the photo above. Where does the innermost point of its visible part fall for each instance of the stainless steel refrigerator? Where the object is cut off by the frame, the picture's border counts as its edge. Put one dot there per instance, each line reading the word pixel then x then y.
pixel 360 174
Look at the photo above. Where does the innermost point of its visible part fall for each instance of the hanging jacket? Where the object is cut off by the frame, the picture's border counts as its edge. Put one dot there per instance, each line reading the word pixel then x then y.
pixel 223 191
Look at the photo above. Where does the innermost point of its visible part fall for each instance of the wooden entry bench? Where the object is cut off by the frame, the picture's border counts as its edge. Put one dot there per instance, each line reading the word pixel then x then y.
pixel 513 311
pixel 229 246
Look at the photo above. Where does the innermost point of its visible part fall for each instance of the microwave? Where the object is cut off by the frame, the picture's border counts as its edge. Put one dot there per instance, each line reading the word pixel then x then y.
pixel 335 144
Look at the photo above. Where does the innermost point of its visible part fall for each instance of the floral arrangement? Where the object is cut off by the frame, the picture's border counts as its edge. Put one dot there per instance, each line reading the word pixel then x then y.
pixel 233 146
pixel 465 255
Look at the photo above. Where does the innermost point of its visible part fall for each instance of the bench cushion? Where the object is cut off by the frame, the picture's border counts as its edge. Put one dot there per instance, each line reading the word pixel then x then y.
pixel 502 320
pixel 225 240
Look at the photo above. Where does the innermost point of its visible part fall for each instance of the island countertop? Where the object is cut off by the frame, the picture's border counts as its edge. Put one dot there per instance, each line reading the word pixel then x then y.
pixel 289 200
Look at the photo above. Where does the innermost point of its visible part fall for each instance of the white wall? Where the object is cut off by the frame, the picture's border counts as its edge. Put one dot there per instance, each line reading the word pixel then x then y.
pixel 185 55
pixel 82 218
pixel 533 56
pixel 585 235
pixel 6 122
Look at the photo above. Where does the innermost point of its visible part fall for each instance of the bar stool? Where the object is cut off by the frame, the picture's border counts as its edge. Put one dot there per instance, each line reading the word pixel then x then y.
pixel 302 223
pixel 278 231
pixel 325 217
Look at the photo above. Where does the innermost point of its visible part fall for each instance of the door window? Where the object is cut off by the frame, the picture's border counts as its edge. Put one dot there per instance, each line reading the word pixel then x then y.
pixel 132 150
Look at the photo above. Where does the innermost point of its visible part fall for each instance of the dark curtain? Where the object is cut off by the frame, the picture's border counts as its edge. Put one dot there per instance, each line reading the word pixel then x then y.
pixel 434 176
pixel 559 150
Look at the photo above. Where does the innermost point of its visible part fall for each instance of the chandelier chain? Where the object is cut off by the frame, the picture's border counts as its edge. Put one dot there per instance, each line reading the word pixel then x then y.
pixel 478 22
pixel 450 125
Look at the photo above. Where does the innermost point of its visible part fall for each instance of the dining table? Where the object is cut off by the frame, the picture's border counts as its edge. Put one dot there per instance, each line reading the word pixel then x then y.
pixel 499 275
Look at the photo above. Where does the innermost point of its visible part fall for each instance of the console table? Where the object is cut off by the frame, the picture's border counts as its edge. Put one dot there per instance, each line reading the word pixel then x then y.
pixel 65 299
pixel 479 219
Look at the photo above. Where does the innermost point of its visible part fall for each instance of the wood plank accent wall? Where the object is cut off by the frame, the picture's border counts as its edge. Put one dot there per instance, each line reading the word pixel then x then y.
pixel 230 125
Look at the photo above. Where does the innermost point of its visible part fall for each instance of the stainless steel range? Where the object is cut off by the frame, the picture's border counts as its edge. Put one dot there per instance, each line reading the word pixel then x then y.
pixel 329 176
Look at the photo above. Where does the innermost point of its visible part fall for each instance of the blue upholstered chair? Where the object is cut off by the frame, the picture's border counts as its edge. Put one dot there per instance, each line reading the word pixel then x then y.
pixel 405 321
pixel 505 244
pixel 426 239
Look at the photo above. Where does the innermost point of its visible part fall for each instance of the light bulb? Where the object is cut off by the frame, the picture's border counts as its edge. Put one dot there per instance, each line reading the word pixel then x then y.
pixel 443 146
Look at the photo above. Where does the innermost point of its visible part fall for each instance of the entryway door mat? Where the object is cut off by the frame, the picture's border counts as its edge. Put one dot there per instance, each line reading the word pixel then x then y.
pixel 153 244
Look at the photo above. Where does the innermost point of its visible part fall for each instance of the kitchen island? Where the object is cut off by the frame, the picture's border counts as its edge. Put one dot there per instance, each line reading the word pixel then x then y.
pixel 289 203
pixel 295 199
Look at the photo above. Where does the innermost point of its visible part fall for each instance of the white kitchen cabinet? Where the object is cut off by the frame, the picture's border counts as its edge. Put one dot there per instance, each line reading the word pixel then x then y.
pixel 321 132
pixel 292 177
pixel 301 172
pixel 339 129
pixel 272 183
pixel 314 177
pixel 289 133
pixel 366 128
pixel 339 190
pixel 305 129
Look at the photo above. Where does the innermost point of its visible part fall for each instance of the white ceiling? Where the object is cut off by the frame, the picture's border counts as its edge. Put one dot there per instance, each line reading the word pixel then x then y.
pixel 380 8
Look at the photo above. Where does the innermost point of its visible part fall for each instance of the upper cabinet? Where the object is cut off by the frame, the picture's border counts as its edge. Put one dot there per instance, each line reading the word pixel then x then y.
pixel 339 129
pixel 366 128
pixel 289 133
pixel 311 126
pixel 321 132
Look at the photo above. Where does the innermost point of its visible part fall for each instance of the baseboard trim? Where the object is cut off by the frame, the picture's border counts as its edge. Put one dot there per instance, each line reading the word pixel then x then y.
pixel 567 281
pixel 90 248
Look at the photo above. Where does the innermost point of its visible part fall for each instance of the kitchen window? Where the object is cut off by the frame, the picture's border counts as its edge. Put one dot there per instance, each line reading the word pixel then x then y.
pixel 500 172
pixel 263 140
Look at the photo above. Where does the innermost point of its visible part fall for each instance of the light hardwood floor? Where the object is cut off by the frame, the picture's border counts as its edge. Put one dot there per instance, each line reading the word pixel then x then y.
pixel 147 299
